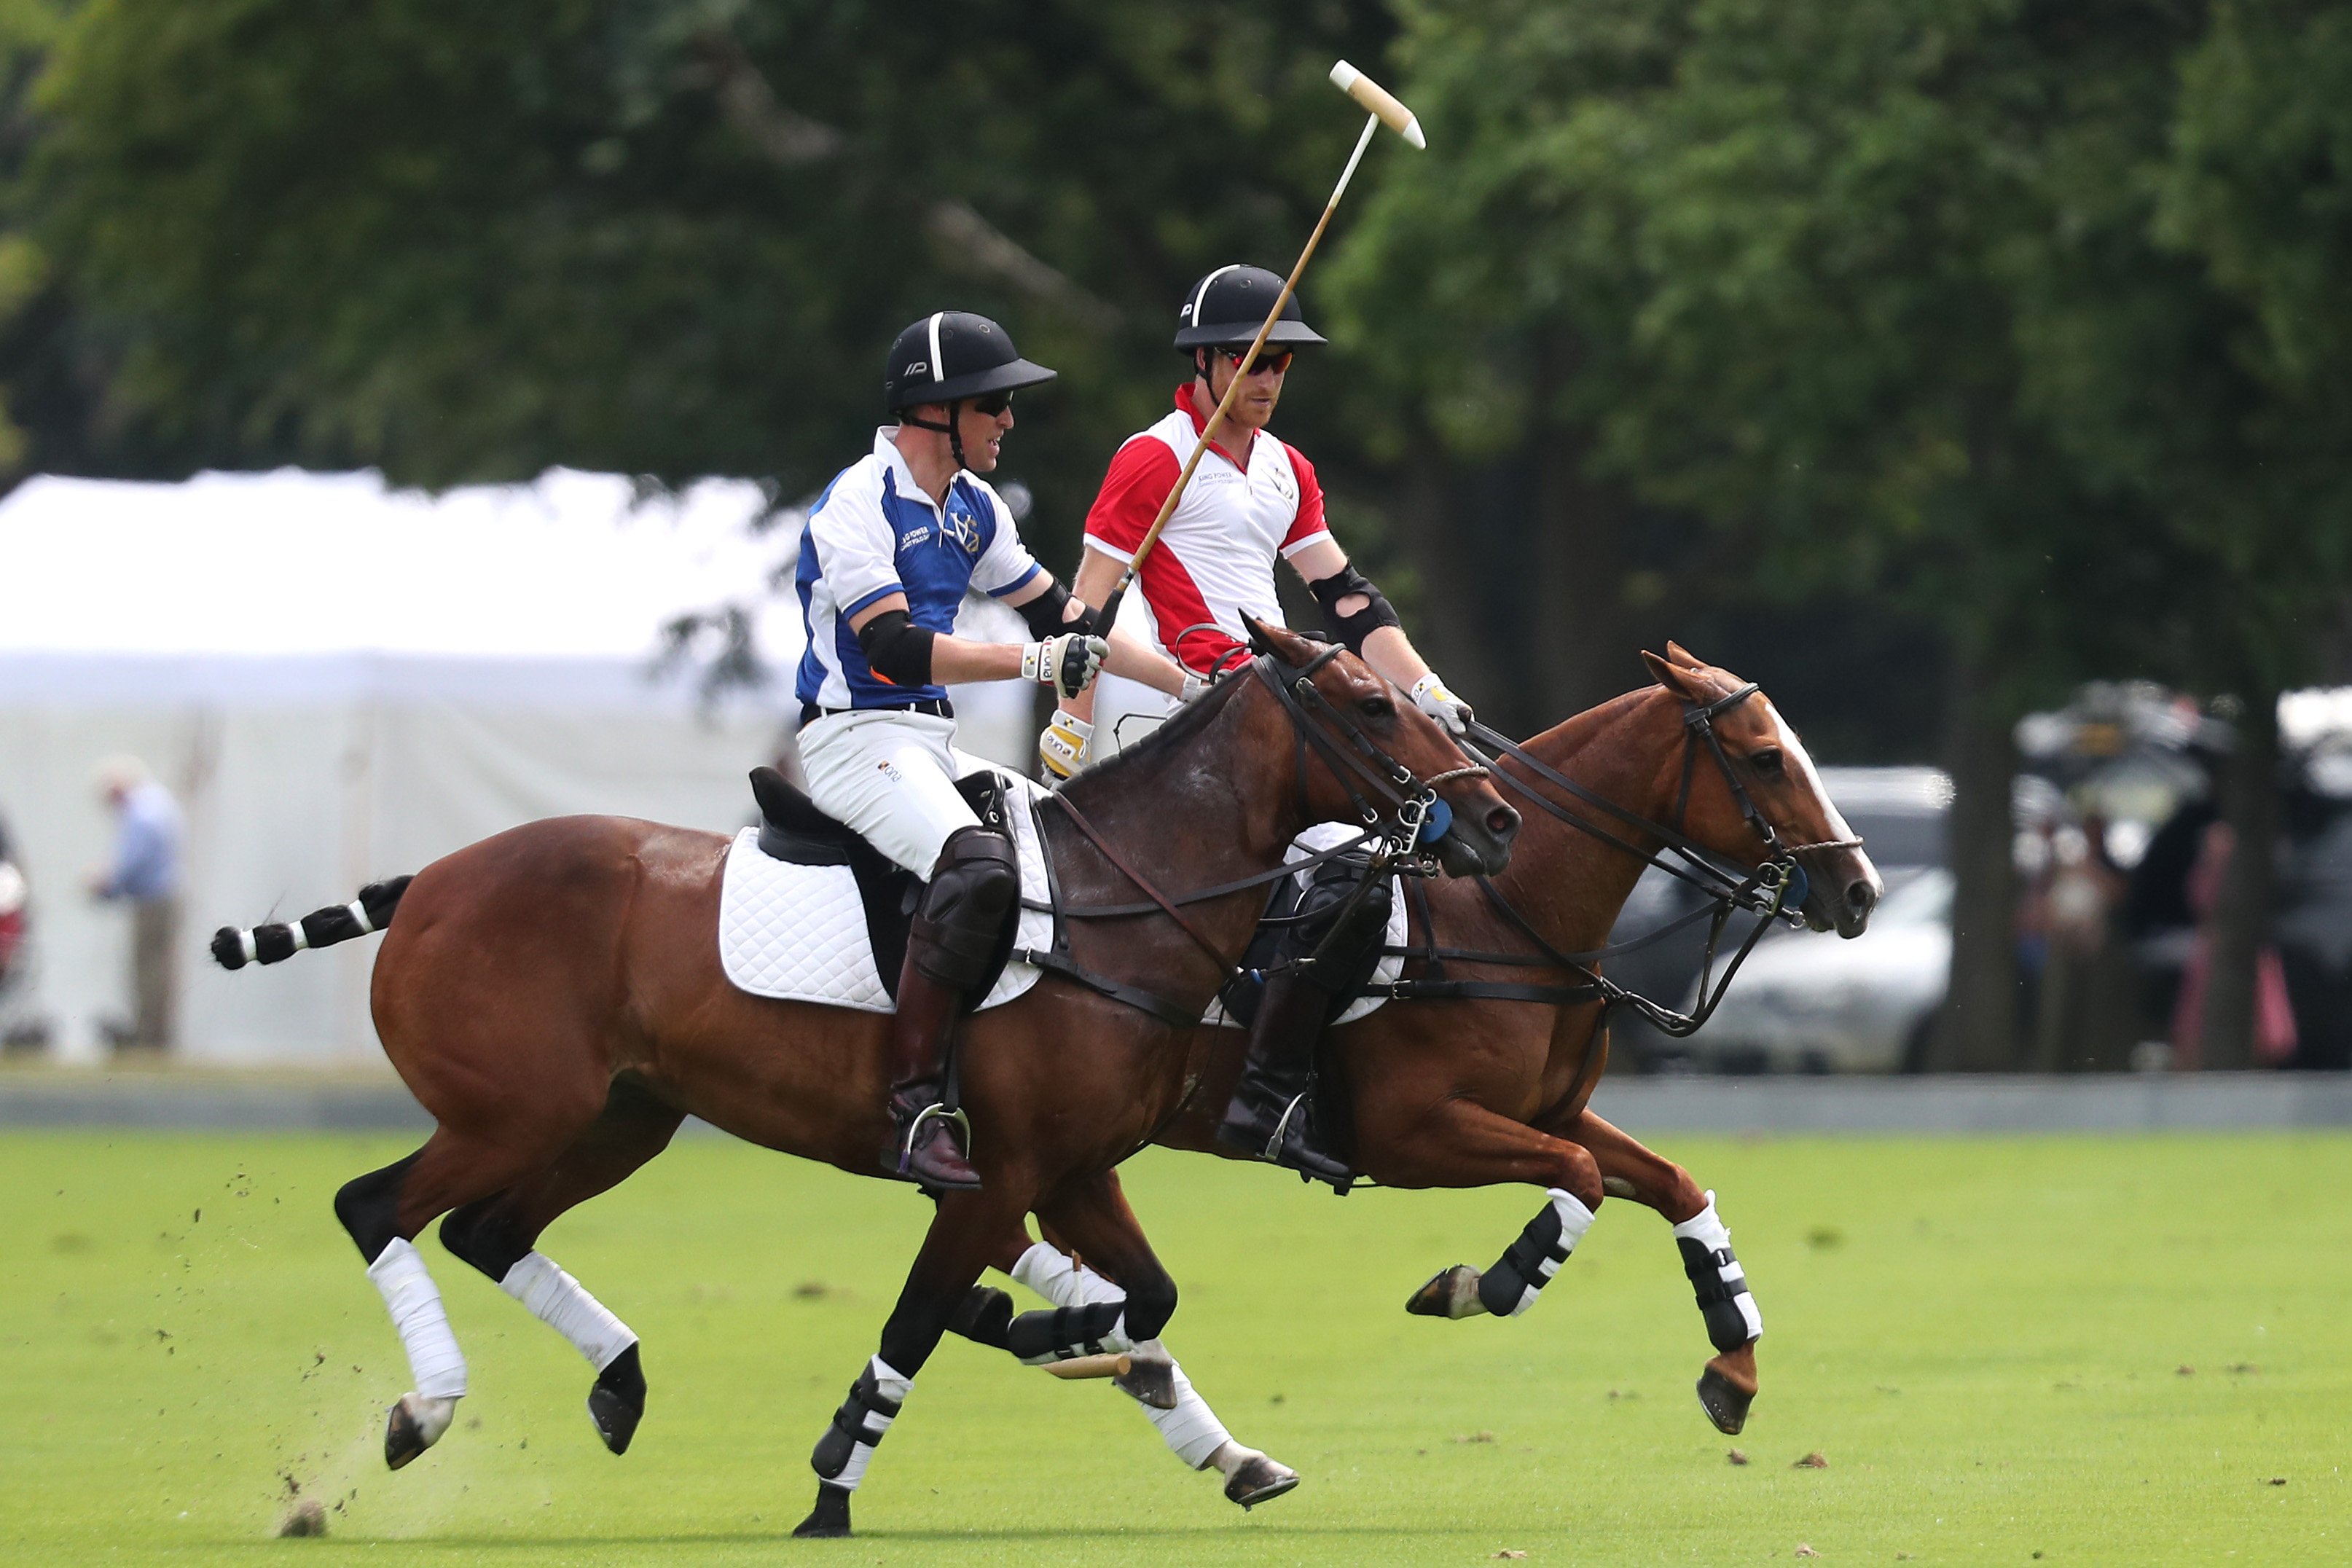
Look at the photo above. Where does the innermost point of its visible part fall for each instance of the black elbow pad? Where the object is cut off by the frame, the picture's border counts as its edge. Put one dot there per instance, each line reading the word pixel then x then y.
pixel 1044 615
pixel 897 649
pixel 1352 629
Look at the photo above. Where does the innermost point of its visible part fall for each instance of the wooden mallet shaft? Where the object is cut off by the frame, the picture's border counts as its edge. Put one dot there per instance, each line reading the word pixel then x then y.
pixel 1384 110
pixel 1091 1366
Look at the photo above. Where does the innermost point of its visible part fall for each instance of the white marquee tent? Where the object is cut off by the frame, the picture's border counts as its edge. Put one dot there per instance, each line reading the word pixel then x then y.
pixel 341 681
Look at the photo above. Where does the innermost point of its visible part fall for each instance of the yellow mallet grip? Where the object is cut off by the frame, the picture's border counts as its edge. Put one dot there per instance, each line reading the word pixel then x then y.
pixel 1377 100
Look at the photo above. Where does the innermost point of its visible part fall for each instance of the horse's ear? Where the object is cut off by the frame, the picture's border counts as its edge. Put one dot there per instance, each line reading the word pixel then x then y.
pixel 1687 660
pixel 1284 644
pixel 1670 675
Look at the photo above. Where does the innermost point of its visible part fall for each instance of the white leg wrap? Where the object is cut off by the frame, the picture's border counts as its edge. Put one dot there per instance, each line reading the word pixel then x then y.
pixel 1537 1264
pixel 557 1300
pixel 1191 1430
pixel 892 1385
pixel 1707 1228
pixel 415 1304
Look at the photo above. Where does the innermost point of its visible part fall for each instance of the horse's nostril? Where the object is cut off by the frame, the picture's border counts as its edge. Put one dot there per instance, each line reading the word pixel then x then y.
pixel 1503 823
pixel 1859 895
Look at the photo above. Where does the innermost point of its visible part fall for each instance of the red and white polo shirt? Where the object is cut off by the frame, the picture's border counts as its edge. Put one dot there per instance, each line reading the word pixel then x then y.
pixel 1214 561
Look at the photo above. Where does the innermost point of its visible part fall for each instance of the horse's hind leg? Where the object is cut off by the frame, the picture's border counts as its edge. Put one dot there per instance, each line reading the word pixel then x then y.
pixel 1726 1388
pixel 384 1211
pixel 963 1233
pixel 1462 1145
pixel 498 1234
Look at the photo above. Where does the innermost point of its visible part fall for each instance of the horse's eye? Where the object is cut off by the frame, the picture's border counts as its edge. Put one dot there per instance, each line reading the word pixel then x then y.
pixel 1376 707
pixel 1767 761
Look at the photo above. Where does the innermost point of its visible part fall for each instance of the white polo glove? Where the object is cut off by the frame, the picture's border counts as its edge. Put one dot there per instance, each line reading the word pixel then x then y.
pixel 1194 685
pixel 1062 748
pixel 1068 663
pixel 1429 695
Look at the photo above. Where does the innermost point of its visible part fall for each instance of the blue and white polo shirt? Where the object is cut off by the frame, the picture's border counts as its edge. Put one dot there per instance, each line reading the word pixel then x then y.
pixel 875 532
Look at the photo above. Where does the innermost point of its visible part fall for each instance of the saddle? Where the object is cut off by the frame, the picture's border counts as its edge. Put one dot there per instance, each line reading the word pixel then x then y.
pixel 793 829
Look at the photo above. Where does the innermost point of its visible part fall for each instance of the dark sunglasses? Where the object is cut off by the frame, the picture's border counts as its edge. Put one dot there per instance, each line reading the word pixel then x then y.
pixel 1273 360
pixel 995 404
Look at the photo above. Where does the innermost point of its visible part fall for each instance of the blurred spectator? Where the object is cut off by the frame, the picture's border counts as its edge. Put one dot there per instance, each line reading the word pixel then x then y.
pixel 2085 1013
pixel 2273 1015
pixel 146 875
pixel 12 907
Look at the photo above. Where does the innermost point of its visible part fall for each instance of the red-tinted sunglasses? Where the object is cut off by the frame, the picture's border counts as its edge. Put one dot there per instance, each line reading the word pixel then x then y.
pixel 1273 359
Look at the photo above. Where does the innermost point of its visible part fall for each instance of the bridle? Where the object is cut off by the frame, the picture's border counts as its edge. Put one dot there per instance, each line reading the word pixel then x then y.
pixel 1411 803
pixel 1771 892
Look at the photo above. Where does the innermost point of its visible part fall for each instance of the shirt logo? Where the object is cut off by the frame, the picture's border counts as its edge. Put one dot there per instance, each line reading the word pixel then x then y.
pixel 960 527
pixel 914 536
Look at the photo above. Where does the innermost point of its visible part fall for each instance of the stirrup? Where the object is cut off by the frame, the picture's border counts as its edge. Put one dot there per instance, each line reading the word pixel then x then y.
pixel 941 1112
pixel 1272 1152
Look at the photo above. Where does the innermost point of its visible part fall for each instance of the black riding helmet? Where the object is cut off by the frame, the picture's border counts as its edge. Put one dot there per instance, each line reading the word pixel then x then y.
pixel 1229 306
pixel 952 357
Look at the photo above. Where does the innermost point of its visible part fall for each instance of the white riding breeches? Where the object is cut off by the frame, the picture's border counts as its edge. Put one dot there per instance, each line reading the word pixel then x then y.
pixel 891 775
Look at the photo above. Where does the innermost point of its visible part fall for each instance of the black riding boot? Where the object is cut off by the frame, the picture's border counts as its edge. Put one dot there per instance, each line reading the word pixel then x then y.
pixel 1271 1114
pixel 949 949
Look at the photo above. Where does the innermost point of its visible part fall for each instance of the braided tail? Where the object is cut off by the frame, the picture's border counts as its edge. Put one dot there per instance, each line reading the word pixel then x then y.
pixel 371 911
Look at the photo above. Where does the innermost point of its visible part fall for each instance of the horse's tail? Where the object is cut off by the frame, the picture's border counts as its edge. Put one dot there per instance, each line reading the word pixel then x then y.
pixel 371 911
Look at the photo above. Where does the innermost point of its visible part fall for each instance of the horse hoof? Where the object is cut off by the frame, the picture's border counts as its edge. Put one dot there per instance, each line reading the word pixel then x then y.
pixel 1450 1293
pixel 1259 1479
pixel 617 1402
pixel 1150 1380
pixel 1724 1401
pixel 829 1521
pixel 415 1424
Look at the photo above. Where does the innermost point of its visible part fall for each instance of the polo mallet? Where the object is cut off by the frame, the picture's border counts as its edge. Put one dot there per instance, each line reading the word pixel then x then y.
pixel 1384 110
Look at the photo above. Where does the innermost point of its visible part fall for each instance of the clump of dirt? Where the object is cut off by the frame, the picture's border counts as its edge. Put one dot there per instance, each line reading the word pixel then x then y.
pixel 305 1518
pixel 1737 1456
pixel 1812 1461
pixel 1476 1437
pixel 812 1289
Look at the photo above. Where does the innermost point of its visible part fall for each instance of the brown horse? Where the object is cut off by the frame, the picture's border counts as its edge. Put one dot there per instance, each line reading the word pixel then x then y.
pixel 553 995
pixel 1471 1090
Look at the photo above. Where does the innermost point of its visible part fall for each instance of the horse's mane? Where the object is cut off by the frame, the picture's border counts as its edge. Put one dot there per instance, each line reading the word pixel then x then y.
pixel 1190 720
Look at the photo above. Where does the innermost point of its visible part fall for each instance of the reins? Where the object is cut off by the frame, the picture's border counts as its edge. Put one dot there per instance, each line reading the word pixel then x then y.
pixel 1763 892
pixel 1411 799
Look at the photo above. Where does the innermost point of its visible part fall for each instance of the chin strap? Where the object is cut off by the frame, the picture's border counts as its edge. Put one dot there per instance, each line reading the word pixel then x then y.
pixel 955 439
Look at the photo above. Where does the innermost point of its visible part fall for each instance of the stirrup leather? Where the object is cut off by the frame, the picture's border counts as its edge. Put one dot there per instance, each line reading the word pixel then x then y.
pixel 941 1112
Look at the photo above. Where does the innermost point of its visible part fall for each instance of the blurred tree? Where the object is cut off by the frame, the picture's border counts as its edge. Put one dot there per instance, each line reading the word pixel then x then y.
pixel 1880 289
pixel 663 236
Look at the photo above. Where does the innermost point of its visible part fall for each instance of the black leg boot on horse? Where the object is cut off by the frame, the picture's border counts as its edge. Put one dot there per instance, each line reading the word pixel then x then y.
pixel 1271 1114
pixel 950 952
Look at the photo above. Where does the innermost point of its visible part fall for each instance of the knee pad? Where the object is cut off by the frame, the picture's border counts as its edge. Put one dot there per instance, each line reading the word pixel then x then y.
pixel 965 908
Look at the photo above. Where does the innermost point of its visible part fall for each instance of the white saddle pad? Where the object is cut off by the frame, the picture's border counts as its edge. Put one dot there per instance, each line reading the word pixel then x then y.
pixel 798 933
pixel 1327 836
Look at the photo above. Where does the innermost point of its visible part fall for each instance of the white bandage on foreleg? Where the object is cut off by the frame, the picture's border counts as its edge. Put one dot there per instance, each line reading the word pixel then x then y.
pixel 557 1300
pixel 415 1304
pixel 1192 1429
pixel 894 1387
pixel 1716 1273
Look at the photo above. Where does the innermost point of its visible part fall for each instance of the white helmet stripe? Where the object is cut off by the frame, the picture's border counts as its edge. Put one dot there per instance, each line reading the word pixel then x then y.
pixel 1192 311
pixel 938 365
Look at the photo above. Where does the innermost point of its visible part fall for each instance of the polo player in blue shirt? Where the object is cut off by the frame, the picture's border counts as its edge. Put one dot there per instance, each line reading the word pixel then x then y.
pixel 885 558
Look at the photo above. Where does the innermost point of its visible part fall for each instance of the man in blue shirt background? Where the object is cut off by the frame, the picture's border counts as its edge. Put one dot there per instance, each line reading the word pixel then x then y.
pixel 145 874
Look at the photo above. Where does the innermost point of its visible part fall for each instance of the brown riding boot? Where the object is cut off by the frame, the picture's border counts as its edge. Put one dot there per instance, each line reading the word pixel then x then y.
pixel 950 952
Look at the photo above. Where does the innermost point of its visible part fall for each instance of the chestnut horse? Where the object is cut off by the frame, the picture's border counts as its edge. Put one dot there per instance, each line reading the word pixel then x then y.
pixel 553 996
pixel 1468 1090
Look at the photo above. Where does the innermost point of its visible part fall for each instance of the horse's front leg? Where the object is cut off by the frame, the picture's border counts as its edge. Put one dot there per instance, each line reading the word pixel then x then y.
pixel 1461 1145
pixel 1184 1419
pixel 1727 1387
pixel 954 1251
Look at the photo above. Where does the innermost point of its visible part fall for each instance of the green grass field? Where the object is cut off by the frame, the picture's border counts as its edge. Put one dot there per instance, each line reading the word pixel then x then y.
pixel 1991 1340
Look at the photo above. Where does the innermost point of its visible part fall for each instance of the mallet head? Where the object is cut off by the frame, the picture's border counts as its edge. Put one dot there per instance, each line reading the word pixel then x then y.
pixel 1377 100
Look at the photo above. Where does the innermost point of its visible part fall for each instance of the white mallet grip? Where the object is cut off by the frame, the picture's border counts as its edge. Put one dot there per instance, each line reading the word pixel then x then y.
pixel 1377 100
